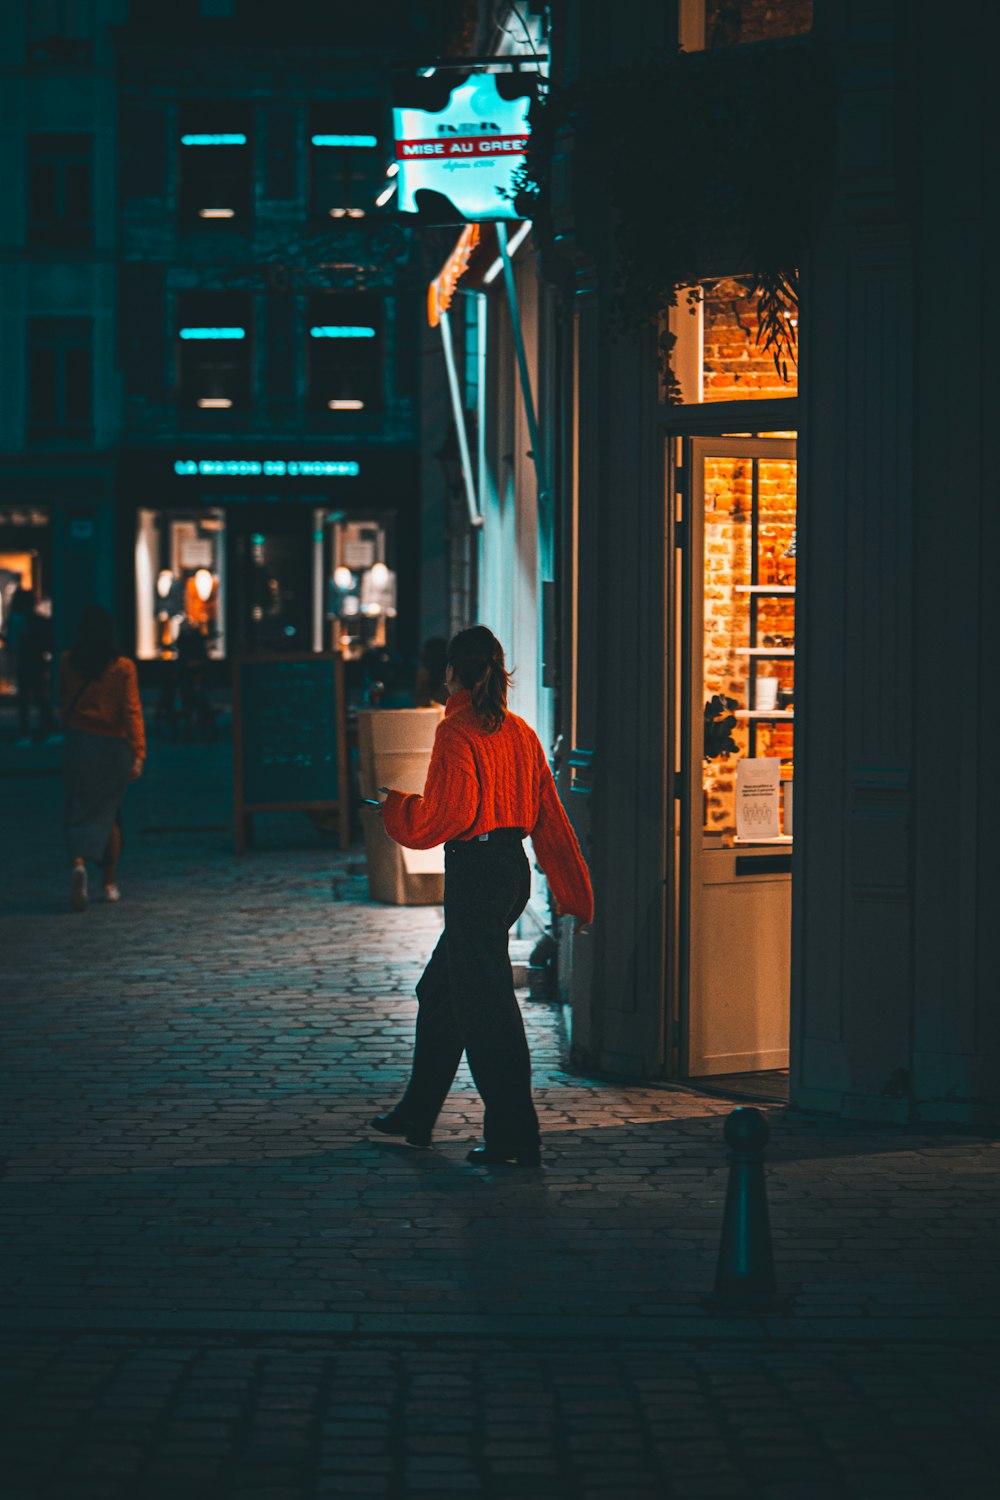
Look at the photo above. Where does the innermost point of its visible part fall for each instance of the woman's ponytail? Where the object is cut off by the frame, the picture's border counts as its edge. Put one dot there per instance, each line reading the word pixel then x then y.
pixel 477 659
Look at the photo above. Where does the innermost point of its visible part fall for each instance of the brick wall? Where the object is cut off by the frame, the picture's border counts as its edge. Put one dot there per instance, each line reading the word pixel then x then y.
pixel 735 366
pixel 730 21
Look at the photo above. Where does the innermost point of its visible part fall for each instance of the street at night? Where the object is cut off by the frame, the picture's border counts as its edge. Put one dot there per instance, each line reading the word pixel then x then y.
pixel 216 1278
pixel 498 838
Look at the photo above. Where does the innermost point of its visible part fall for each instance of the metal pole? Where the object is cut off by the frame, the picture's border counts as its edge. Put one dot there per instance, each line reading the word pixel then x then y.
pixel 319 601
pixel 522 365
pixel 459 415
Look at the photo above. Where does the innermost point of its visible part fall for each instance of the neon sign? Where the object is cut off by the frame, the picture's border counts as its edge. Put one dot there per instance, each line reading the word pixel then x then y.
pixel 213 333
pixel 213 140
pixel 468 152
pixel 243 468
pixel 329 331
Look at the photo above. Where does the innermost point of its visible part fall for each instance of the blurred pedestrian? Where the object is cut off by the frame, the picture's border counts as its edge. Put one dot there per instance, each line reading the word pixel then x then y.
pixel 488 786
pixel 31 642
pixel 192 665
pixel 105 749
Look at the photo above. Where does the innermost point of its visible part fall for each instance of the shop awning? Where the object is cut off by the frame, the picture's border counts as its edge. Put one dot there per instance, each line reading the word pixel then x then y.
pixel 476 254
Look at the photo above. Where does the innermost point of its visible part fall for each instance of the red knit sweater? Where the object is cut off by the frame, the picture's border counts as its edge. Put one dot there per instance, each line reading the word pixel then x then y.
pixel 477 782
pixel 108 706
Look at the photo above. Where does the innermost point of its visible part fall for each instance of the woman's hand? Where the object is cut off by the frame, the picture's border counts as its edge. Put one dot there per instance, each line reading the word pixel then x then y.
pixel 136 770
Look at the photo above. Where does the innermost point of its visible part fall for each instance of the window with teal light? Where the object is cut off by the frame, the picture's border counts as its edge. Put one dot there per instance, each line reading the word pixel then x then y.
pixel 343 336
pixel 347 161
pixel 215 147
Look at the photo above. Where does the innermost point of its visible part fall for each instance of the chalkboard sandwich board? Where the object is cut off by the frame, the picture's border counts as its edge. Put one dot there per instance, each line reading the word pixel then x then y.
pixel 289 739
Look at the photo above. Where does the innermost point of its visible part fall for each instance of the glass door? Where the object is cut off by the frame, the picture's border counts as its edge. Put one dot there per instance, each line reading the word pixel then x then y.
pixel 272 582
pixel 738 649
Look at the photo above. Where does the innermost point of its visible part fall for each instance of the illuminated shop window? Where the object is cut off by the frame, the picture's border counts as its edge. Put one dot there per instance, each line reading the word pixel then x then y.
pixel 216 169
pixel 180 586
pixel 214 352
pixel 708 24
pixel 25 563
pixel 361 590
pixel 344 347
pixel 60 189
pixel 719 354
pixel 60 377
pixel 346 162
pixel 749 547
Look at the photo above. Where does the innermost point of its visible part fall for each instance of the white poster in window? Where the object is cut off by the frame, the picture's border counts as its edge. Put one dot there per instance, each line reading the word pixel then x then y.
pixel 757 792
pixel 196 552
pixel 359 554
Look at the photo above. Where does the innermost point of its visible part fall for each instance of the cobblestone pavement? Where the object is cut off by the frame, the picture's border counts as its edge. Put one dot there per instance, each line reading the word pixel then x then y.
pixel 215 1281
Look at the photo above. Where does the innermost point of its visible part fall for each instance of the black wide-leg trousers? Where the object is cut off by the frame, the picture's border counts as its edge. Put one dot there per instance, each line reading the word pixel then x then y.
pixel 466 994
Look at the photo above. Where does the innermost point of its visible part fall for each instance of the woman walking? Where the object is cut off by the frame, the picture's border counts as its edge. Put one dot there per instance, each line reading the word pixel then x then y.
pixel 488 786
pixel 105 749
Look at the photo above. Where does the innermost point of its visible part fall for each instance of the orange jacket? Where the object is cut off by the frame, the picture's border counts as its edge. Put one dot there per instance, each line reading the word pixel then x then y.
pixel 108 706
pixel 477 782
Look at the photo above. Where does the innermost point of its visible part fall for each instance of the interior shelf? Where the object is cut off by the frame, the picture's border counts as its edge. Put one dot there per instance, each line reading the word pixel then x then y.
pixel 763 713
pixel 766 650
pixel 765 588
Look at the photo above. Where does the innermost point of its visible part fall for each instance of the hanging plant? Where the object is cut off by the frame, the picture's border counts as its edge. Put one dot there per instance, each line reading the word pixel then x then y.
pixel 695 159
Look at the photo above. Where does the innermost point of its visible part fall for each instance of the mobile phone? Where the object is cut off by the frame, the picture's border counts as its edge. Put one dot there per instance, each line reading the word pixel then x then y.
pixel 370 802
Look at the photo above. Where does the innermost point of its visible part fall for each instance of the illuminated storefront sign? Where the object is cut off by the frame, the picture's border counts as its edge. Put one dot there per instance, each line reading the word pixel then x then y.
pixel 241 468
pixel 468 152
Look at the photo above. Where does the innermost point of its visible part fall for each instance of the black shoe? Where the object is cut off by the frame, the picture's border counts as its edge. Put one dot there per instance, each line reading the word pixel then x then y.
pixel 396 1124
pixel 491 1156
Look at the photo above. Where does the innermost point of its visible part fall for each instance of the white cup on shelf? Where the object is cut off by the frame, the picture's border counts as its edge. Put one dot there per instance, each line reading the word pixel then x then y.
pixel 765 698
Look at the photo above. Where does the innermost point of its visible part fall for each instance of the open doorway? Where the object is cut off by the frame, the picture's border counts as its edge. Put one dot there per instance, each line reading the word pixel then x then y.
pixel 737 709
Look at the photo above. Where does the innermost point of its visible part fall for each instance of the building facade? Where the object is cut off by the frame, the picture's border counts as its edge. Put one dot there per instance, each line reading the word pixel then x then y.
pixel 787 831
pixel 58 295
pixel 213 320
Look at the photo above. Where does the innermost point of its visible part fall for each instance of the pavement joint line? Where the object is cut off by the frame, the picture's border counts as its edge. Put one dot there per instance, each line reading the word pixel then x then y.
pixel 789 1329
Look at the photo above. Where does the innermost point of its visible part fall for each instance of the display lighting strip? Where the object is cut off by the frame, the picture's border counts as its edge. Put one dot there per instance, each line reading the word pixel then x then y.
pixel 213 333
pixel 346 405
pixel 385 195
pixel 216 213
pixel 347 213
pixel 345 140
pixel 213 140
pixel 241 468
pixel 221 403
pixel 346 331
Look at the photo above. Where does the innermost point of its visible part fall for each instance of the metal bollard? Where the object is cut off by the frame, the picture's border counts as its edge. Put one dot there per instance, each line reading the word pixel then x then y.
pixel 744 1276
